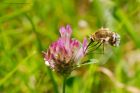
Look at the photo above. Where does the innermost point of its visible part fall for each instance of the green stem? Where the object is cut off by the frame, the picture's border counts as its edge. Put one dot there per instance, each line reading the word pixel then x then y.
pixel 64 84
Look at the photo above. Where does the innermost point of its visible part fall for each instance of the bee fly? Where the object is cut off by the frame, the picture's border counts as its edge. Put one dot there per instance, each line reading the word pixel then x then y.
pixel 104 36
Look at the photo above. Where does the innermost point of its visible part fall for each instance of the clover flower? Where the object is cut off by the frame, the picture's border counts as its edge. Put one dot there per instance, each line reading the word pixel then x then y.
pixel 65 53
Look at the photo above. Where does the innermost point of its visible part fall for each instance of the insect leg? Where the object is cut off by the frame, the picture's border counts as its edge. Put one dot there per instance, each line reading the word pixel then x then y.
pixel 96 43
pixel 93 49
pixel 89 44
pixel 98 46
pixel 103 48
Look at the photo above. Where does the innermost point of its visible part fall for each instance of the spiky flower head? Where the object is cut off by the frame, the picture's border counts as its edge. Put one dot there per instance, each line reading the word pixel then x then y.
pixel 65 53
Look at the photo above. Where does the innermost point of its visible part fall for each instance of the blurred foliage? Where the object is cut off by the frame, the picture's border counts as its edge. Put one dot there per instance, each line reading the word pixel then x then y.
pixel 27 27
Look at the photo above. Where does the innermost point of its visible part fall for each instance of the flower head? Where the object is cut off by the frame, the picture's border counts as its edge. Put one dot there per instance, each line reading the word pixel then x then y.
pixel 63 54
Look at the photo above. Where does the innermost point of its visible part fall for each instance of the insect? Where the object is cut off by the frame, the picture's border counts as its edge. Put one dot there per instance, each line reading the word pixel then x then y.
pixel 104 36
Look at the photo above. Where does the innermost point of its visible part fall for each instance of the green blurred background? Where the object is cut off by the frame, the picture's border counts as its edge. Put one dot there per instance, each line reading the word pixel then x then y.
pixel 27 27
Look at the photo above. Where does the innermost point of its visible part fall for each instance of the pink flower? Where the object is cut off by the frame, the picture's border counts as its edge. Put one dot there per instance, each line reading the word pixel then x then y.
pixel 65 53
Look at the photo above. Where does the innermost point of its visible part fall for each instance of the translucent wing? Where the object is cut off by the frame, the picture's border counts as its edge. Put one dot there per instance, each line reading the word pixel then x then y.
pixel 100 51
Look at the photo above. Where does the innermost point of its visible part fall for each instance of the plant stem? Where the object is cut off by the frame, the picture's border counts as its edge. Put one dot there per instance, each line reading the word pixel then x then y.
pixel 64 84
